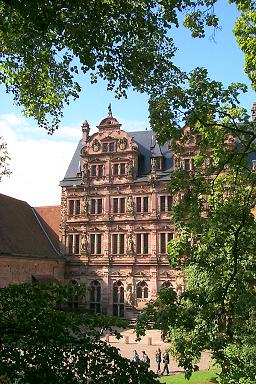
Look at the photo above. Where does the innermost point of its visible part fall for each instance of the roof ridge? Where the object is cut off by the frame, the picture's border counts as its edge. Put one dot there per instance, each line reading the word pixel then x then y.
pixel 44 231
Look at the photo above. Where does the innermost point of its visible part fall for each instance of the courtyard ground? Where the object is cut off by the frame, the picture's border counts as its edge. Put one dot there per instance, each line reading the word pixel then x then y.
pixel 149 343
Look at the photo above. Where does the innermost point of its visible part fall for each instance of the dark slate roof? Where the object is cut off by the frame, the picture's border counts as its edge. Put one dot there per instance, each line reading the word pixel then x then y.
pixel 22 233
pixel 74 166
pixel 147 146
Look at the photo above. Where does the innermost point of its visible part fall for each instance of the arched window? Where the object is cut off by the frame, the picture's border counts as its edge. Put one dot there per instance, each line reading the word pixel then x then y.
pixel 167 284
pixel 142 290
pixel 95 297
pixel 118 299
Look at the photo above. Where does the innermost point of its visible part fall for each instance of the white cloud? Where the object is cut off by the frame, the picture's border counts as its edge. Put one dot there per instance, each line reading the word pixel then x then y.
pixel 37 164
pixel 39 161
pixel 12 119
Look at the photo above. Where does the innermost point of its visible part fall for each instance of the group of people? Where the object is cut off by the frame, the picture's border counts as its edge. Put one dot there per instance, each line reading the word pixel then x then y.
pixel 144 357
pixel 160 358
pixel 165 359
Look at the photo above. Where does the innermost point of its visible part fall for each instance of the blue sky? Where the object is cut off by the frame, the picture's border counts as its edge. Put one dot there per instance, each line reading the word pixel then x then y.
pixel 39 161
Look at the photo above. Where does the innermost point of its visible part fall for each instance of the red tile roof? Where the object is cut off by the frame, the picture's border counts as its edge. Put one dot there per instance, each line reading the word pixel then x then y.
pixel 51 215
pixel 22 233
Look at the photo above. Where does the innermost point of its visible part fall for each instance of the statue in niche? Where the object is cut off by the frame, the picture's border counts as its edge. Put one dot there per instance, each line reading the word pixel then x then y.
pixel 130 169
pixel 85 172
pixel 130 244
pixel 84 206
pixel 129 295
pixel 129 289
pixel 129 204
pixel 84 242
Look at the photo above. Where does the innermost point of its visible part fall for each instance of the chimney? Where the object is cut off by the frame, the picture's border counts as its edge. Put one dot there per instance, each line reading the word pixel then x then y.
pixel 85 130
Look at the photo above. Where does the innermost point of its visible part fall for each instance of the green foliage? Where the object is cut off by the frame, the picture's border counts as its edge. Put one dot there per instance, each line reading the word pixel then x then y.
pixel 215 229
pixel 244 31
pixel 4 159
pixel 42 343
pixel 45 45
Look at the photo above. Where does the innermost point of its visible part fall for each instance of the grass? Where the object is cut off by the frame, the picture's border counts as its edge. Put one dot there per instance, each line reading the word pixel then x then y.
pixel 201 377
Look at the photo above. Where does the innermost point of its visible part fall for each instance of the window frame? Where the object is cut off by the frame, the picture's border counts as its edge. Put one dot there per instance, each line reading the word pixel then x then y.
pixel 142 291
pixel 96 244
pixel 96 206
pixel 142 204
pixel 142 243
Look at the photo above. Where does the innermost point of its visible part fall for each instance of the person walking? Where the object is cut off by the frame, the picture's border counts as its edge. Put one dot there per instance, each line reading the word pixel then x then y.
pixel 145 358
pixel 166 361
pixel 135 356
pixel 158 360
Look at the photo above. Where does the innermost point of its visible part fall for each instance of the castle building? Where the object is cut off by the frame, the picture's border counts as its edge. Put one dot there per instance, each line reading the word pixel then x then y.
pixel 115 218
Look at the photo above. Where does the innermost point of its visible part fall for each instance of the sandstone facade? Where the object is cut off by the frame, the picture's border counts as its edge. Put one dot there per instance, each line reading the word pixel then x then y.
pixel 115 218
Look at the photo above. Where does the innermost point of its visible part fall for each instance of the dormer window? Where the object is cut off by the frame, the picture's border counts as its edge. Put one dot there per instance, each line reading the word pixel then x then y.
pixel 109 147
pixel 156 164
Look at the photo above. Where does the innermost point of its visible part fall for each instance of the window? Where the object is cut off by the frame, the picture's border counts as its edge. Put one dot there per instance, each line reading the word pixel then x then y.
pixel 119 169
pixel 165 203
pixel 95 297
pixel 100 170
pixel 96 206
pixel 122 168
pixel 118 299
pixel 118 244
pixel 109 147
pixel 96 243
pixel 187 164
pixel 97 170
pixel 115 169
pixel 142 243
pixel 94 170
pixel 164 240
pixel 142 204
pixel 74 207
pixel 142 290
pixel 166 284
pixel 118 205
pixel 73 244
pixel 156 163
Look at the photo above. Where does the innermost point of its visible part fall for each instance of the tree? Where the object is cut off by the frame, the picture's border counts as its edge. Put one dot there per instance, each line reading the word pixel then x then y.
pixel 45 44
pixel 215 229
pixel 4 158
pixel 128 43
pixel 41 342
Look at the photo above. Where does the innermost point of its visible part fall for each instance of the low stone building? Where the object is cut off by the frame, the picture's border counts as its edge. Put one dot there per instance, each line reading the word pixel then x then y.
pixel 115 218
pixel 29 248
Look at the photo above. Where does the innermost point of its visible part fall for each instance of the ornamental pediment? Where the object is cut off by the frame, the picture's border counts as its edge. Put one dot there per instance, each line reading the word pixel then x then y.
pixel 108 138
pixel 109 142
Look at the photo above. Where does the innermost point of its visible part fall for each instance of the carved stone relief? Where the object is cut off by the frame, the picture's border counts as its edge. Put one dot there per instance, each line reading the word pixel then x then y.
pixel 129 204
